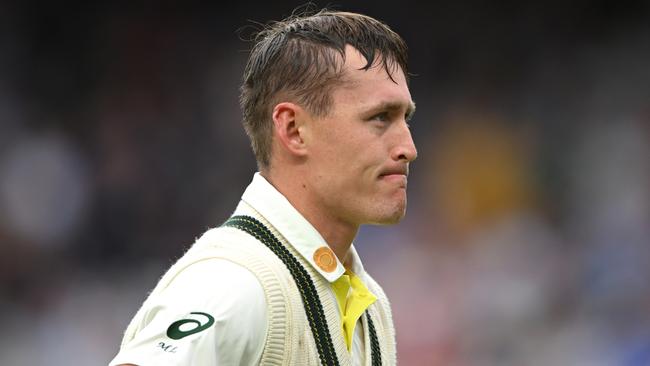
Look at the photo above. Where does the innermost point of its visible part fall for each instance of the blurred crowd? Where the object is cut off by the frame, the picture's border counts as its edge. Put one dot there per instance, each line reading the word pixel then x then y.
pixel 527 238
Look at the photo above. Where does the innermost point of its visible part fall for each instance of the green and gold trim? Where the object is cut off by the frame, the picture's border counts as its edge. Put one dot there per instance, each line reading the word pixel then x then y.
pixel 374 342
pixel 310 299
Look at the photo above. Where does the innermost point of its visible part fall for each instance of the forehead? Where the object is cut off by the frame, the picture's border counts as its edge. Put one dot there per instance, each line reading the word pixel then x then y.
pixel 372 85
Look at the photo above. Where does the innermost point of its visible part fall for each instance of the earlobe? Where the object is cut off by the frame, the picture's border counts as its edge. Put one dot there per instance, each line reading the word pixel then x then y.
pixel 287 120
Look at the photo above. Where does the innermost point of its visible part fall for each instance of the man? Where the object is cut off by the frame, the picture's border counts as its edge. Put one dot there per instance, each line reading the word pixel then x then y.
pixel 326 104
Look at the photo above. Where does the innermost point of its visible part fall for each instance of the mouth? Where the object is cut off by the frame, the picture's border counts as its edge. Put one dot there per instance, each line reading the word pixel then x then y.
pixel 397 174
pixel 393 177
pixel 398 170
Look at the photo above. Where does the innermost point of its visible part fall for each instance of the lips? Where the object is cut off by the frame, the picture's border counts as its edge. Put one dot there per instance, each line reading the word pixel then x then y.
pixel 395 175
pixel 397 170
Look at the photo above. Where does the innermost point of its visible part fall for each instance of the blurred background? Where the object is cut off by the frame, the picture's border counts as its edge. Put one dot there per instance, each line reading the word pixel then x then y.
pixel 527 240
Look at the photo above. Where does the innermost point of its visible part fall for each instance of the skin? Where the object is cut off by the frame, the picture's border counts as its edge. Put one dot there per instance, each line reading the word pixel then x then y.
pixel 349 167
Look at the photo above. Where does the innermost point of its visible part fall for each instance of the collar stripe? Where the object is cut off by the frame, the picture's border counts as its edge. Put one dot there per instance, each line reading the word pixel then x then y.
pixel 310 299
pixel 313 307
pixel 374 342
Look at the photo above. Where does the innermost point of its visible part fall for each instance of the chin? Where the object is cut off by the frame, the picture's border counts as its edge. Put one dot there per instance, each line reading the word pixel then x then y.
pixel 394 219
pixel 390 216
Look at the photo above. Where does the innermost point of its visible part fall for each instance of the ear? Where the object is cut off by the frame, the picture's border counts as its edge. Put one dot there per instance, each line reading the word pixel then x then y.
pixel 288 119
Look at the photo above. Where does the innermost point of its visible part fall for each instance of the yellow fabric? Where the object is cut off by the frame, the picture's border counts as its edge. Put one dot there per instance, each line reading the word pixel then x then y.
pixel 353 298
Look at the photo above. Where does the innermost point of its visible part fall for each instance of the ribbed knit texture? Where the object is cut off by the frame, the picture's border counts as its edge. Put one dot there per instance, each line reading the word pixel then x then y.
pixel 380 312
pixel 330 305
pixel 289 339
pixel 260 261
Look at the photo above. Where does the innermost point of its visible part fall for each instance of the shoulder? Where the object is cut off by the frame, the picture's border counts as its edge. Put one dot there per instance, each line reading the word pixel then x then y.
pixel 216 272
pixel 214 282
pixel 213 311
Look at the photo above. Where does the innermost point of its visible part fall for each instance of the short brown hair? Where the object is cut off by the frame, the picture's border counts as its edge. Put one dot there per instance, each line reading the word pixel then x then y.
pixel 299 58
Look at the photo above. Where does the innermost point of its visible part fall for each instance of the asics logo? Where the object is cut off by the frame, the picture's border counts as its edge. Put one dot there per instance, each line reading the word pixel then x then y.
pixel 175 332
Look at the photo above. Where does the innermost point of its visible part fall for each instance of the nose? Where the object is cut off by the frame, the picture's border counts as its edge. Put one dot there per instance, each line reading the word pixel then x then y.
pixel 405 149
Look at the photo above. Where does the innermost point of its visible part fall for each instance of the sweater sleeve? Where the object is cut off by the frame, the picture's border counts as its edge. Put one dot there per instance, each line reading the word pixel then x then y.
pixel 212 313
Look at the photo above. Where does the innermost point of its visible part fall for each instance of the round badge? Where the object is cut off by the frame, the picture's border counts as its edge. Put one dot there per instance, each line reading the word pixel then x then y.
pixel 325 259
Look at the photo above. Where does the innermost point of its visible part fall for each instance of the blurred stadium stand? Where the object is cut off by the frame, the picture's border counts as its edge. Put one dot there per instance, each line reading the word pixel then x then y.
pixel 527 240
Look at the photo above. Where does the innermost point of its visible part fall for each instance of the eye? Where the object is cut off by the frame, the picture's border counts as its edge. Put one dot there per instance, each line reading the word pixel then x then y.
pixel 407 119
pixel 381 117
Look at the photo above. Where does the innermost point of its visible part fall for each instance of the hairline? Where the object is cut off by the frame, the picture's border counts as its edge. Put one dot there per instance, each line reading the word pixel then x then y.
pixel 342 78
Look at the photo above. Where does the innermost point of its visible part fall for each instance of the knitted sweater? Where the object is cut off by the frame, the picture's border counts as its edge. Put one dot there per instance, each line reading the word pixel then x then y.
pixel 289 337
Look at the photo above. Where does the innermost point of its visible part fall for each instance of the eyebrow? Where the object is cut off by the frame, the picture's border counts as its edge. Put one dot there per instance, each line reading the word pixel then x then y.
pixel 393 106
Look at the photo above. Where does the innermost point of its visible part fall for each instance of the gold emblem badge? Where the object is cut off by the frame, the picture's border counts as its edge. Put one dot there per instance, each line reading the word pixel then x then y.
pixel 325 259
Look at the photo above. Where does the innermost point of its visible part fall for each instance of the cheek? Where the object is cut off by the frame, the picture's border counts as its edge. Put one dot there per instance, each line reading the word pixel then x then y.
pixel 339 153
pixel 348 157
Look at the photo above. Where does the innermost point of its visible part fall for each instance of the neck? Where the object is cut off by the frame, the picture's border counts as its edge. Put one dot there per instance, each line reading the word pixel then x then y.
pixel 338 233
